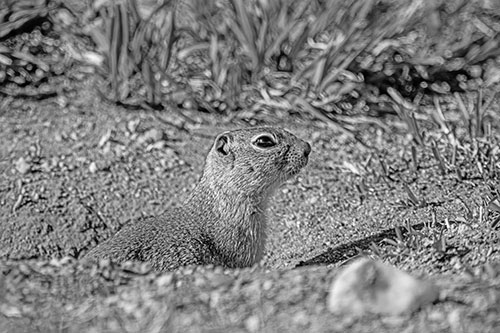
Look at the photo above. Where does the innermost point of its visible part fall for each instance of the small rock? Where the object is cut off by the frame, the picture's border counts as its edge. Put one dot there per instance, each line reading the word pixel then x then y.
pixel 199 281
pixel 104 139
pixel 10 311
pixel 368 286
pixel 267 285
pixel 132 125
pixel 46 167
pixel 301 318
pixel 158 145
pixel 455 321
pixel 150 136
pixel 189 104
pixel 62 101
pixel 252 323
pixel 215 297
pixel 164 280
pixel 22 166
pixel 312 200
pixel 58 137
pixel 93 167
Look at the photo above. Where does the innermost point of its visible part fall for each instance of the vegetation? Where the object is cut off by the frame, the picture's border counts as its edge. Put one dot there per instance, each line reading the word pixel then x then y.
pixel 410 87
pixel 318 54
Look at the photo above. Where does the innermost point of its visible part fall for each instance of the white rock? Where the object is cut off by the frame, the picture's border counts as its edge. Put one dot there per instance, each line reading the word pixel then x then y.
pixel 150 136
pixel 93 167
pixel 22 166
pixel 368 286
pixel 252 323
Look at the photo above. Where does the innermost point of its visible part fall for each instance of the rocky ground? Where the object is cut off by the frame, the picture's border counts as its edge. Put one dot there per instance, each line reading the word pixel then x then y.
pixel 74 170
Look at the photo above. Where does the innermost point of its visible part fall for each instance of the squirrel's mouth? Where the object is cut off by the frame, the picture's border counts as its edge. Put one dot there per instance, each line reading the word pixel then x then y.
pixel 294 160
pixel 295 168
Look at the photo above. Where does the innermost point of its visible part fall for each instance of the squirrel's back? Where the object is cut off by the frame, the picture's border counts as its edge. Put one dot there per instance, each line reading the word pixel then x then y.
pixel 167 241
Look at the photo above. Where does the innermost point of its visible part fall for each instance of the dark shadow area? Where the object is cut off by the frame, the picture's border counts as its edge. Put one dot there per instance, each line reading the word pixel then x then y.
pixel 349 250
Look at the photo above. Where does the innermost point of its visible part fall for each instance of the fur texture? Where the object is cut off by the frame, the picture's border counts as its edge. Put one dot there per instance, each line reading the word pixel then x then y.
pixel 223 221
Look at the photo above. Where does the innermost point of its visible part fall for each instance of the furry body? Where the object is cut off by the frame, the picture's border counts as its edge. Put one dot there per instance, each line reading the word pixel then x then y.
pixel 223 221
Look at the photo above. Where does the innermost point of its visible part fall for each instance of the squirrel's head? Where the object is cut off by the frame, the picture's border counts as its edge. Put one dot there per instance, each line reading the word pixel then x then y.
pixel 255 160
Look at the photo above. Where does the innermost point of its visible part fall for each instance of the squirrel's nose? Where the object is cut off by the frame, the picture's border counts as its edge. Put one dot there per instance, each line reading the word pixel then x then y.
pixel 307 150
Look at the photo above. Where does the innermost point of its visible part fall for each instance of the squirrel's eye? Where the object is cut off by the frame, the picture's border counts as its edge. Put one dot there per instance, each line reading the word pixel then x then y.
pixel 265 141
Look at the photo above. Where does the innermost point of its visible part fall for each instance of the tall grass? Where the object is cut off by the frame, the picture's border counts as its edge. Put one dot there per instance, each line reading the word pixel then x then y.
pixel 318 56
pixel 134 47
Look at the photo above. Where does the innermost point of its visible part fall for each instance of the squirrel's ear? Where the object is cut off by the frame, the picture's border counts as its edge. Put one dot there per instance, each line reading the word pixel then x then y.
pixel 222 144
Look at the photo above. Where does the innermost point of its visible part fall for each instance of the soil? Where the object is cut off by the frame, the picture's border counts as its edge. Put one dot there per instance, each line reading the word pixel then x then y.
pixel 73 171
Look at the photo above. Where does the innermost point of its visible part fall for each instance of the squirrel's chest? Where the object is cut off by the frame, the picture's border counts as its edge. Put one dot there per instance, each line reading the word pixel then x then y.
pixel 249 241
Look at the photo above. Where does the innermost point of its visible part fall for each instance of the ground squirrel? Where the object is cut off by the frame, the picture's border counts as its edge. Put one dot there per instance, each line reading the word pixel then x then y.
pixel 223 221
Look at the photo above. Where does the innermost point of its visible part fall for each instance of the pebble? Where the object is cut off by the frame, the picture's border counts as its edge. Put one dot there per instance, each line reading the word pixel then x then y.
pixel 368 286
pixel 267 285
pixel 93 167
pixel 22 166
pixel 150 136
pixel 455 321
pixel 164 280
pixel 156 145
pixel 104 139
pixel 252 323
